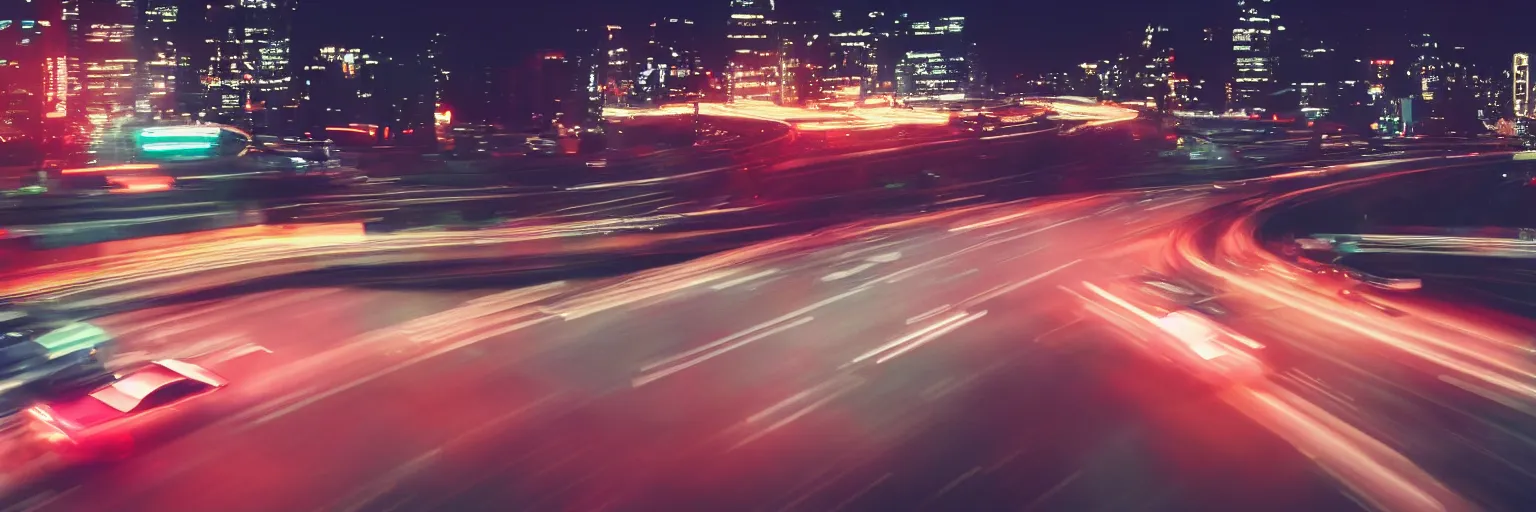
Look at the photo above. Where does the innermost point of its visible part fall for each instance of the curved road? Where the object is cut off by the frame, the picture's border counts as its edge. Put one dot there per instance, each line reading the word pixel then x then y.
pixel 943 362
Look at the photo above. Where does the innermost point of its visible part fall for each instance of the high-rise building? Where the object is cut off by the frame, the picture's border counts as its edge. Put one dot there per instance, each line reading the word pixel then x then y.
pixel 248 70
pixel 32 68
pixel 1520 96
pixel 863 49
pixel 339 86
pixel 540 88
pixel 802 61
pixel 616 71
pixel 1256 24
pixel 752 66
pixel 1428 69
pixel 1157 66
pixel 670 66
pixel 160 58
pixel 936 61
pixel 108 59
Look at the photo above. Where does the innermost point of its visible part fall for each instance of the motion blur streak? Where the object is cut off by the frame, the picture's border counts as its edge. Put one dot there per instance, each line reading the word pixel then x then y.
pixel 804 119
pixel 1383 478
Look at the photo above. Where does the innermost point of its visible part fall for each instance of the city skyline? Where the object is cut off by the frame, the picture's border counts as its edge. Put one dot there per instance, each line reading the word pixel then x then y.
pixel 249 62
pixel 1028 39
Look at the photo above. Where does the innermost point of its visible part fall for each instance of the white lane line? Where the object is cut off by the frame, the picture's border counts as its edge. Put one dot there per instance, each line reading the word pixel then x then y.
pixel 797 415
pixel 236 353
pixel 862 492
pixel 392 369
pixel 41 500
pixel 1012 135
pixel 469 325
pixel 1175 203
pixel 797 397
pixel 846 273
pixel 930 337
pixel 631 294
pixel 744 279
pixel 750 330
pixel 909 337
pixel 641 381
pixel 1037 231
pixel 956 482
pixel 1006 289
pixel 927 314
pixel 1052 492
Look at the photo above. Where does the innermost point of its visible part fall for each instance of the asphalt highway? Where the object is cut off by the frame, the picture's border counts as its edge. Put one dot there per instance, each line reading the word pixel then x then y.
pixel 984 357
pixel 940 362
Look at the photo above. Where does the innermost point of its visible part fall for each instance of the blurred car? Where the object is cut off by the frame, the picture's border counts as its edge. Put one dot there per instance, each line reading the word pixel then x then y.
pixel 301 159
pixel 543 145
pixel 1174 294
pixel 103 422
pixel 1356 286
pixel 39 356
pixel 1163 324
pixel 1196 148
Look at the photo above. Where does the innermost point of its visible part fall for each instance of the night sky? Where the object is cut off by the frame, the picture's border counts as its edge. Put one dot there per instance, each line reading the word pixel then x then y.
pixel 1014 36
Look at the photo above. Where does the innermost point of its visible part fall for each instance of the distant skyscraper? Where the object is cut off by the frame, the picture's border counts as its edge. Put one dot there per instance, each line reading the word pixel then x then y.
pixel 752 67
pixel 935 63
pixel 618 72
pixel 1521 95
pixel 1251 45
pixel 160 59
pixel 32 67
pixel 249 74
pixel 674 68
pixel 1156 74
pixel 803 56
pixel 1427 68
pixel 340 87
pixel 108 59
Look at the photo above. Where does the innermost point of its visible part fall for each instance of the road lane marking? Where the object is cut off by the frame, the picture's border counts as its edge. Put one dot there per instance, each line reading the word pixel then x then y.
pixel 780 319
pixel 797 415
pixel 1053 491
pixel 41 500
pixel 930 337
pixel 236 353
pixel 862 492
pixel 1010 288
pixel 392 369
pixel 927 314
pixel 801 396
pixel 1037 231
pixel 846 273
pixel 909 337
pixel 636 293
pixel 641 381
pixel 955 483
pixel 1012 135
pixel 744 279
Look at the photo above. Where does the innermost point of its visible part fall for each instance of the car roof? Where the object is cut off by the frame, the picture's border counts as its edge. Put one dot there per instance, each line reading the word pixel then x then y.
pixel 126 393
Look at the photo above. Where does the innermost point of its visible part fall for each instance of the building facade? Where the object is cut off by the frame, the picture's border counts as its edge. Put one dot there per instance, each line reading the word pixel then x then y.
pixel 33 68
pixel 670 67
pixel 1255 64
pixel 248 71
pixel 109 61
pixel 752 67
pixel 161 60
pixel 1520 94
pixel 935 64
